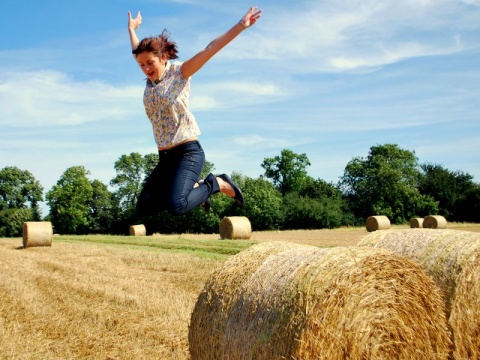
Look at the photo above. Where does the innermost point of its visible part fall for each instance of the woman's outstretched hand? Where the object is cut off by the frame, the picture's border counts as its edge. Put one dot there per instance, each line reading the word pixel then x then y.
pixel 251 17
pixel 134 23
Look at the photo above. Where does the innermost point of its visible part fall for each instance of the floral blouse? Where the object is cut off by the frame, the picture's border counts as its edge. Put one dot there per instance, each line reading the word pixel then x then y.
pixel 166 103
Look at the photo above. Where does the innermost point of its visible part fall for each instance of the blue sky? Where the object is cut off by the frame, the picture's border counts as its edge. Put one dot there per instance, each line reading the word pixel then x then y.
pixel 327 78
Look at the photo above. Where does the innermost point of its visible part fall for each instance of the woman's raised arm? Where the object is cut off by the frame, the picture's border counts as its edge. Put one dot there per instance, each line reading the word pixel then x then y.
pixel 194 64
pixel 134 24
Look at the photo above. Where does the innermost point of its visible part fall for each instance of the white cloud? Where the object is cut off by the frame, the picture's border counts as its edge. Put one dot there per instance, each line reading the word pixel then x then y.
pixel 52 98
pixel 336 36
pixel 223 94
pixel 391 54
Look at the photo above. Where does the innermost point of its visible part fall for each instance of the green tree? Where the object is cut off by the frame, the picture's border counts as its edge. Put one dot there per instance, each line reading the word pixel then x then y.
pixel 287 171
pixel 263 204
pixel 19 189
pixel 334 206
pixel 450 189
pixel 386 183
pixel 469 208
pixel 308 213
pixel 70 200
pixel 20 193
pixel 12 221
pixel 132 171
pixel 104 209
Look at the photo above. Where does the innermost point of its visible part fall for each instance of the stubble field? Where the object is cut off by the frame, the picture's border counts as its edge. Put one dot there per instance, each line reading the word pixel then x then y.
pixel 114 297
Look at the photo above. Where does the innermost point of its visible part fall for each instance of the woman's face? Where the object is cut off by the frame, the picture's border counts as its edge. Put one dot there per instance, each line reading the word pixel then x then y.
pixel 151 65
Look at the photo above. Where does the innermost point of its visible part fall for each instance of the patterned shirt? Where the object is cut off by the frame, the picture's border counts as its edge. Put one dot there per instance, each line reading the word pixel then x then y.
pixel 166 104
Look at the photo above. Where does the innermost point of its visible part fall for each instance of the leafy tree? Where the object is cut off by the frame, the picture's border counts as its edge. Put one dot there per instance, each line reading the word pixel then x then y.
pixel 131 172
pixel 104 209
pixel 19 189
pixel 70 200
pixel 333 203
pixel 20 193
pixel 386 183
pixel 450 189
pixel 469 208
pixel 307 213
pixel 287 171
pixel 12 221
pixel 263 204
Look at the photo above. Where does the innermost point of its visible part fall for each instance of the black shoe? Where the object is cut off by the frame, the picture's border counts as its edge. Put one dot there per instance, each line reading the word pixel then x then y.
pixel 238 194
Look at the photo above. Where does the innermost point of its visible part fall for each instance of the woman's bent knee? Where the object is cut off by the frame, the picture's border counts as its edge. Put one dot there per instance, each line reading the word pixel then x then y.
pixel 178 208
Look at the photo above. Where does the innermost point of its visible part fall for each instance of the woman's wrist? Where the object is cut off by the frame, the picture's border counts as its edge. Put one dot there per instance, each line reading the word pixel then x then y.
pixel 243 25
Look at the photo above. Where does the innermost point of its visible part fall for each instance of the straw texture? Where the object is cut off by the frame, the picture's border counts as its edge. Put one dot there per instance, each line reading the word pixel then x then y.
pixel 416 223
pixel 289 301
pixel 138 230
pixel 37 233
pixel 434 222
pixel 452 259
pixel 235 227
pixel 378 222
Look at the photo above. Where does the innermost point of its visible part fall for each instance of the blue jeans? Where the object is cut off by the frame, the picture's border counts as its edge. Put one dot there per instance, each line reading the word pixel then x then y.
pixel 170 185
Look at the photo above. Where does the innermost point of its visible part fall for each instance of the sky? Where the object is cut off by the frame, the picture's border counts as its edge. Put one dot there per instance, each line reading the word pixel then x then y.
pixel 325 78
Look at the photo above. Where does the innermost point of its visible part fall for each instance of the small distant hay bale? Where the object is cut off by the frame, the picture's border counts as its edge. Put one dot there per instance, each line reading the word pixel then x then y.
pixel 416 223
pixel 235 227
pixel 452 259
pixel 434 222
pixel 138 230
pixel 290 301
pixel 37 233
pixel 378 222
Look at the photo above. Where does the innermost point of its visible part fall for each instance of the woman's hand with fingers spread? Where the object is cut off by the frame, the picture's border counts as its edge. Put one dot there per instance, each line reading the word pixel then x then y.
pixel 251 17
pixel 134 23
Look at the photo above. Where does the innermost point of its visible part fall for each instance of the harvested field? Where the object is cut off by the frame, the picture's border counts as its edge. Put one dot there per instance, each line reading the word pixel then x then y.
pixel 109 297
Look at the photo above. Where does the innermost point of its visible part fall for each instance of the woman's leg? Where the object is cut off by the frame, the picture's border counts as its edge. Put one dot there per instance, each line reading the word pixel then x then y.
pixel 185 193
pixel 152 199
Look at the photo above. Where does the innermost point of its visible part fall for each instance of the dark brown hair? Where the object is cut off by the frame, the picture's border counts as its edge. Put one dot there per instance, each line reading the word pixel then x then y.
pixel 158 45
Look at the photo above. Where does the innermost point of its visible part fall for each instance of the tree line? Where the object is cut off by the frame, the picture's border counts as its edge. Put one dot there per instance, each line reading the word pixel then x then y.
pixel 389 181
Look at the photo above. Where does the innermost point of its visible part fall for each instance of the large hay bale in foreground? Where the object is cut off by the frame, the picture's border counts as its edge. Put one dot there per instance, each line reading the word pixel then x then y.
pixel 378 222
pixel 434 222
pixel 465 315
pixel 452 259
pixel 138 230
pixel 37 233
pixel 280 300
pixel 235 227
pixel 416 223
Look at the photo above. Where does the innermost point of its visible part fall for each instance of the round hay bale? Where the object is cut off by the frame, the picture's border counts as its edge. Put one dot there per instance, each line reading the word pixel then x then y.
pixel 37 233
pixel 416 223
pixel 138 230
pixel 434 222
pixel 302 302
pixel 378 222
pixel 235 227
pixel 452 259
pixel 465 310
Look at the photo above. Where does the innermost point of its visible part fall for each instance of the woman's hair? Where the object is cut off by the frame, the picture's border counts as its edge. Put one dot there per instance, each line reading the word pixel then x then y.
pixel 158 45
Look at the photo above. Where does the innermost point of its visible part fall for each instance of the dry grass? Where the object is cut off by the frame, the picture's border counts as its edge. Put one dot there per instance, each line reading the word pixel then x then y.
pixel 80 301
pixel 126 297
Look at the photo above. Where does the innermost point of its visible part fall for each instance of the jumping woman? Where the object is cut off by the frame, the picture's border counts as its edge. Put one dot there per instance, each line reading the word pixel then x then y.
pixel 174 184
